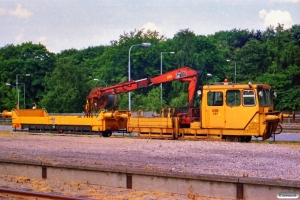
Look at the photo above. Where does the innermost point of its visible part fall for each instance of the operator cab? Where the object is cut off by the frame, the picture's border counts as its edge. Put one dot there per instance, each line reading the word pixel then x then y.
pixel 228 105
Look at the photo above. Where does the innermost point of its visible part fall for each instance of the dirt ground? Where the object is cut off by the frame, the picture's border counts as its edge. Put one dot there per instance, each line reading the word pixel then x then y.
pixel 85 190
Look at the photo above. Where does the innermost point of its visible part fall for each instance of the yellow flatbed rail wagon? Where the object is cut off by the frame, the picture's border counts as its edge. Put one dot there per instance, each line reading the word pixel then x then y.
pixel 38 120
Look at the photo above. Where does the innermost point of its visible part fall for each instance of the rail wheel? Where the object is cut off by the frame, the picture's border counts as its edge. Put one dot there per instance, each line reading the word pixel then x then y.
pixel 107 133
pixel 230 138
pixel 247 138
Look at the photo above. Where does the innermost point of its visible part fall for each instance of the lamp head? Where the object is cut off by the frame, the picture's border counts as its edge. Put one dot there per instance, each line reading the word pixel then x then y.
pixel 147 44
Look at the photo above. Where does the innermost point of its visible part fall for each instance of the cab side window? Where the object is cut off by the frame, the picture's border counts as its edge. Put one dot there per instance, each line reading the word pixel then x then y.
pixel 249 98
pixel 233 97
pixel 215 98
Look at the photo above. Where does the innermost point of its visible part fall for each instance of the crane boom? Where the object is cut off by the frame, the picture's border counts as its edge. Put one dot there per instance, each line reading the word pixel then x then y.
pixel 105 97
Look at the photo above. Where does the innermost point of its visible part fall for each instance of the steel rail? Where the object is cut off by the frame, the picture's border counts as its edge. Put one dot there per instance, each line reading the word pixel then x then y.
pixel 39 194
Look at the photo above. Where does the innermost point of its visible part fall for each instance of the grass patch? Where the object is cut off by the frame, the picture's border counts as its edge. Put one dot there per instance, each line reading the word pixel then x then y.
pixel 6 133
pixel 285 143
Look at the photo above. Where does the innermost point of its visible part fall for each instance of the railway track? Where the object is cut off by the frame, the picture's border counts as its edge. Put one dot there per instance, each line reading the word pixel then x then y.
pixel 288 135
pixel 8 193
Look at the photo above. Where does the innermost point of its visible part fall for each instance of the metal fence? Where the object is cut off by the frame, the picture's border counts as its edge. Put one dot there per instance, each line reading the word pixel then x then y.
pixel 5 121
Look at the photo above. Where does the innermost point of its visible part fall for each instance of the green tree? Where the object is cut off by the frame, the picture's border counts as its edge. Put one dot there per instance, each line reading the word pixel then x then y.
pixel 27 58
pixel 149 102
pixel 251 61
pixel 284 67
pixel 271 57
pixel 112 65
pixel 296 34
pixel 288 95
pixel 66 87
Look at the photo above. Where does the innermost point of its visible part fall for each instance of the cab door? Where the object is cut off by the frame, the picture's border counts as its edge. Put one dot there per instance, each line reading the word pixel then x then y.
pixel 213 109
pixel 241 106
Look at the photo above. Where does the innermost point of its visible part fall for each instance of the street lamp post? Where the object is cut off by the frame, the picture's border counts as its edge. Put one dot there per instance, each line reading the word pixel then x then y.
pixel 161 53
pixel 24 92
pixel 8 84
pixel 18 88
pixel 95 79
pixel 129 78
pixel 234 69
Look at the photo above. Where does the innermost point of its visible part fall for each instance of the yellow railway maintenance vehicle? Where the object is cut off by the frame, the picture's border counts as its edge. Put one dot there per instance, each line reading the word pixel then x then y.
pixel 227 111
pixel 233 112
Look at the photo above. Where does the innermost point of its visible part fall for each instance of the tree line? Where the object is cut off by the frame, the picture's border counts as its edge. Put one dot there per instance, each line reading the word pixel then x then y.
pixel 60 82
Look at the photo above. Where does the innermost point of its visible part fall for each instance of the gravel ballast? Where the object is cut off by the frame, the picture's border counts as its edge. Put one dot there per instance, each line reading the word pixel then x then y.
pixel 259 160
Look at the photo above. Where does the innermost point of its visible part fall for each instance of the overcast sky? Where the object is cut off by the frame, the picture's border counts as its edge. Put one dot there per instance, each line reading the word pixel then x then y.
pixel 66 24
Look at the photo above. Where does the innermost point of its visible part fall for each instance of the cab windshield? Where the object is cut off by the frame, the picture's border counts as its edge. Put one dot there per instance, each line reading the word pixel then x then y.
pixel 265 97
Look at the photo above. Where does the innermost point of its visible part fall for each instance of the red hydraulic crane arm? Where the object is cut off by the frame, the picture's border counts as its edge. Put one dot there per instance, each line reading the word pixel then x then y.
pixel 184 74
pixel 99 97
pixel 176 74
pixel 98 92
